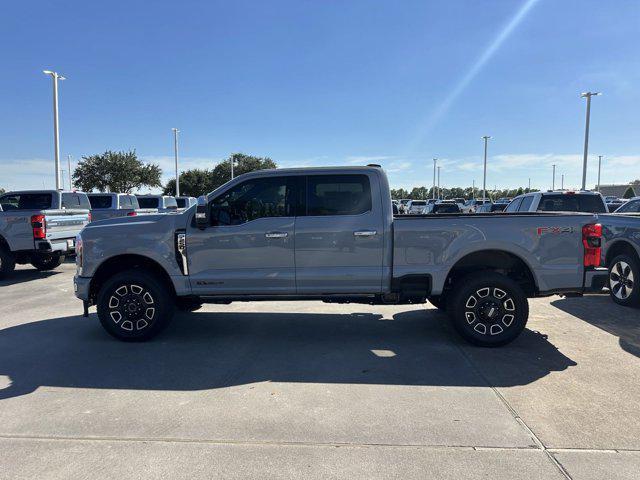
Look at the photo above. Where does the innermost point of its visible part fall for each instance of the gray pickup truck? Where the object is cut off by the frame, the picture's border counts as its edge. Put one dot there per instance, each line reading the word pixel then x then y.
pixel 39 227
pixel 621 254
pixel 112 205
pixel 329 234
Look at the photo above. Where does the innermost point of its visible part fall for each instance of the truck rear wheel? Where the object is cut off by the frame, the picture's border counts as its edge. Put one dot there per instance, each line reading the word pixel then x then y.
pixel 7 262
pixel 488 309
pixel 45 262
pixel 624 278
pixel 134 306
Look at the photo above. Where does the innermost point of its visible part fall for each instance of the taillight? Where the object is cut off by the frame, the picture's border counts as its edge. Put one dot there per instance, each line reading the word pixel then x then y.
pixel 39 225
pixel 592 242
pixel 132 214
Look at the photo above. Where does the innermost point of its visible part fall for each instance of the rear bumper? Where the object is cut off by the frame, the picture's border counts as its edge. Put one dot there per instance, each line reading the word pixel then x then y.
pixel 63 245
pixel 596 279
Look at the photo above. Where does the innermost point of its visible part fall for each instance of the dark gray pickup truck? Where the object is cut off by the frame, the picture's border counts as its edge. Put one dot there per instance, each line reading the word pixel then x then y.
pixel 39 227
pixel 329 234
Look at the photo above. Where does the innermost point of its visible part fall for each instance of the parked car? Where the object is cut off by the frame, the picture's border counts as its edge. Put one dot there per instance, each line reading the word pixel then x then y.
pixel 470 206
pixel 325 234
pixel 630 206
pixel 416 207
pixel 403 205
pixel 613 203
pixel 558 201
pixel 111 205
pixel 621 255
pixel 491 207
pixel 39 227
pixel 163 203
pixel 185 202
pixel 442 207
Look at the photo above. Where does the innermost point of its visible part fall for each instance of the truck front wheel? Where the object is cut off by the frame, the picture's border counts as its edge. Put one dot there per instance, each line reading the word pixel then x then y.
pixel 134 306
pixel 47 261
pixel 488 309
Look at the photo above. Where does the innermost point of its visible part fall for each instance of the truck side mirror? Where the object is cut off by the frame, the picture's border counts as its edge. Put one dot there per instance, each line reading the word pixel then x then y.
pixel 202 213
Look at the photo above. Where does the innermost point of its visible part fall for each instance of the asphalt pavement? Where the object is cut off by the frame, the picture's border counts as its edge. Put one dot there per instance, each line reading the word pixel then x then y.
pixel 314 390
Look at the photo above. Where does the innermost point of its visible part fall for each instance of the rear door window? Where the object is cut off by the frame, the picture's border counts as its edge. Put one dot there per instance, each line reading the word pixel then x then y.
pixel 100 201
pixel 338 195
pixel 26 201
pixel 572 203
pixel 146 202
pixel 632 206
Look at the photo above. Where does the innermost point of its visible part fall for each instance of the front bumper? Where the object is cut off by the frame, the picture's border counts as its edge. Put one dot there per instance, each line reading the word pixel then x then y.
pixel 81 287
pixel 596 279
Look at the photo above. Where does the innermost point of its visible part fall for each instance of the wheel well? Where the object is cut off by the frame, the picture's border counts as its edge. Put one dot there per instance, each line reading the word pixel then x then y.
pixel 497 261
pixel 126 262
pixel 621 248
pixel 4 243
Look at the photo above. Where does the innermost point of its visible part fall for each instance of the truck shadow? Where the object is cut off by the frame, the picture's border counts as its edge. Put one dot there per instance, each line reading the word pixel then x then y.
pixel 26 275
pixel 214 350
pixel 602 312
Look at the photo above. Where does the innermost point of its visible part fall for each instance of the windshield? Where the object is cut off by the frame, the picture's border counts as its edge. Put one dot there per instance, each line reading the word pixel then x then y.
pixel 446 208
pixel 182 202
pixel 26 201
pixel 572 203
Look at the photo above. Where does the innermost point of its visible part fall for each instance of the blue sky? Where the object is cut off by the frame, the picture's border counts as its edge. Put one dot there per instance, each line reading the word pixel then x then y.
pixel 327 83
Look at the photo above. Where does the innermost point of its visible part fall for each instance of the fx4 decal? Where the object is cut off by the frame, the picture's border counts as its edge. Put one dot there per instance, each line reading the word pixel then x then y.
pixel 555 230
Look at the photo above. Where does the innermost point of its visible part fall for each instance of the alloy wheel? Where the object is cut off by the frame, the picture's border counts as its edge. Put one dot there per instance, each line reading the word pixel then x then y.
pixel 621 280
pixel 132 307
pixel 490 311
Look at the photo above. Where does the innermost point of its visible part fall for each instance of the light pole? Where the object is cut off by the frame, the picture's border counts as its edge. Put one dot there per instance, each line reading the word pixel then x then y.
pixel 69 167
pixel 553 182
pixel 55 76
pixel 562 182
pixel 484 178
pixel 588 96
pixel 438 182
pixel 529 184
pixel 599 165
pixel 435 162
pixel 473 189
pixel 231 160
pixel 175 154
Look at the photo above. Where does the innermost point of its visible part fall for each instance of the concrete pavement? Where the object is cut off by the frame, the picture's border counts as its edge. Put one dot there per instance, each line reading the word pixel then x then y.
pixel 313 390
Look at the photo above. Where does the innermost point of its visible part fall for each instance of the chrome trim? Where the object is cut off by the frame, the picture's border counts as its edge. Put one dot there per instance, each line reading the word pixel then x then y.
pixel 181 245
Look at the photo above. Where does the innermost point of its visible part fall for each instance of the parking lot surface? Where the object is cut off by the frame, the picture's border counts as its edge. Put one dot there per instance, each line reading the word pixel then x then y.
pixel 314 390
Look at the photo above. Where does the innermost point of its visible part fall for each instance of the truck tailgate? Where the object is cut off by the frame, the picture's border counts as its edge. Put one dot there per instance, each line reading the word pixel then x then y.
pixel 65 224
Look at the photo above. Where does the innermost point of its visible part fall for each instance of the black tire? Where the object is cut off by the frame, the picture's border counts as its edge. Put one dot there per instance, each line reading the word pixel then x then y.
pixel 134 306
pixel 7 262
pixel 47 261
pixel 624 281
pixel 440 302
pixel 488 309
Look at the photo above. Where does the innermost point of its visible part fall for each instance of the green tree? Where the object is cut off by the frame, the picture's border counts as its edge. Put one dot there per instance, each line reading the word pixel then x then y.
pixel 120 172
pixel 2 190
pixel 629 193
pixel 198 182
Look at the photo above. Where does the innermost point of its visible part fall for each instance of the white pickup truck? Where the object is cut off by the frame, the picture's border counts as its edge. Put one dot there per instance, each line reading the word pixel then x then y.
pixel 39 227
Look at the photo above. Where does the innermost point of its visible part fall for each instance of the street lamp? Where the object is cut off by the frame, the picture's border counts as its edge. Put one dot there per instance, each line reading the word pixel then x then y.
pixel 553 182
pixel 55 76
pixel 438 182
pixel 69 167
pixel 484 178
pixel 599 165
pixel 175 153
pixel 562 182
pixel 588 96
pixel 433 193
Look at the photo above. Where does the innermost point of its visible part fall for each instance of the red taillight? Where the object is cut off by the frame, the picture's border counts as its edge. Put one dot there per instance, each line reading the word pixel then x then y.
pixel 39 226
pixel 592 242
pixel 131 214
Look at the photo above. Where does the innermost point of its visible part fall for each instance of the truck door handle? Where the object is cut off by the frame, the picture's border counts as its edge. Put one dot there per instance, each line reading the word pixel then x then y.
pixel 364 233
pixel 276 234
